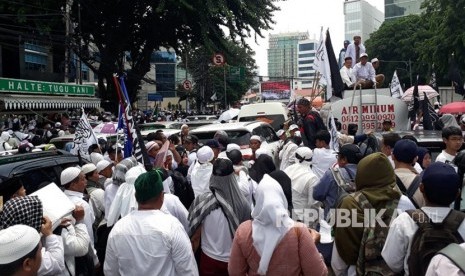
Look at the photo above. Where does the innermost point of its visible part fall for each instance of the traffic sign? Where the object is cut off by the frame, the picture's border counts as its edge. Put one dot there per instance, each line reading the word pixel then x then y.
pixel 218 59
pixel 187 85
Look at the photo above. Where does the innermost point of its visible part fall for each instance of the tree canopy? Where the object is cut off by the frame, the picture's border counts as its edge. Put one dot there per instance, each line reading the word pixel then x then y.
pixel 115 29
pixel 426 39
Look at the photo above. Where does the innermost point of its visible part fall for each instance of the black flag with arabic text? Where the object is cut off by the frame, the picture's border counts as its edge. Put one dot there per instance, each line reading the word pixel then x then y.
pixel 336 80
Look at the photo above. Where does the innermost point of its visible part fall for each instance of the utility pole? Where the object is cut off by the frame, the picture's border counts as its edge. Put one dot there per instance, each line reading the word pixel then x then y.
pixel 67 10
pixel 79 79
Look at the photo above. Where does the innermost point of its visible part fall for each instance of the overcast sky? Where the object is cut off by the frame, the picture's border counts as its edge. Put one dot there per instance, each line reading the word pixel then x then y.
pixel 306 15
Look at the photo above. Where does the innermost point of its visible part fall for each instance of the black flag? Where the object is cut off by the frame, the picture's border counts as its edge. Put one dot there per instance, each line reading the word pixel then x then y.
pixel 430 117
pixel 433 82
pixel 336 80
pixel 455 77
pixel 414 104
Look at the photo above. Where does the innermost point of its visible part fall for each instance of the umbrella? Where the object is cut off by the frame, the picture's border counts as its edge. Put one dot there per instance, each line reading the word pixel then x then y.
pixel 109 128
pixel 430 93
pixel 453 108
pixel 229 115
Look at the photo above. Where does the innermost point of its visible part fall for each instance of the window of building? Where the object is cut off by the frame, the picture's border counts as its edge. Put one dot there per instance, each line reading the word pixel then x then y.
pixel 305 75
pixel 305 68
pixel 35 56
pixel 306 55
pixel 306 47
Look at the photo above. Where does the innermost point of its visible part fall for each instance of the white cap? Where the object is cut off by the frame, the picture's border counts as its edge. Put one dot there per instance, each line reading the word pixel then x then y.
pixel 363 55
pixel 69 174
pixel 280 132
pixel 256 137
pixel 57 124
pixel 150 145
pixel 374 60
pixel 133 173
pixel 293 127
pixel 96 157
pixel 304 152
pixel 261 151
pixel 205 154
pixel 103 164
pixel 16 242
pixel 232 146
pixel 87 168
pixel 298 134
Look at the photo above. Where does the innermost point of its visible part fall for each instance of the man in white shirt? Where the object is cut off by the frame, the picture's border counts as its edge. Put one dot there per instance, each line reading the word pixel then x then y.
pixel 440 186
pixel 148 241
pixel 347 73
pixel 452 137
pixel 364 73
pixel 355 50
pixel 323 156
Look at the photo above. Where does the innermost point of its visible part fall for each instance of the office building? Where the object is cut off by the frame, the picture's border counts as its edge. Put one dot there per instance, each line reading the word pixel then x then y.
pixel 398 8
pixel 306 56
pixel 361 18
pixel 283 54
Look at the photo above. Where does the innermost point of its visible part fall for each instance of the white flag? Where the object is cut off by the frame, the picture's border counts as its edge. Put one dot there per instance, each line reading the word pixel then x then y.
pixel 321 64
pixel 396 89
pixel 83 137
pixel 213 98
pixel 334 143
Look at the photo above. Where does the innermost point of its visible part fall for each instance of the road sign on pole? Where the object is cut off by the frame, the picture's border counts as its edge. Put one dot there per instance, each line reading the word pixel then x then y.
pixel 218 59
pixel 187 85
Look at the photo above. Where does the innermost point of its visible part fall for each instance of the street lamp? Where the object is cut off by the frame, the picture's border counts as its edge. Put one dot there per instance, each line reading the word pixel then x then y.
pixel 408 67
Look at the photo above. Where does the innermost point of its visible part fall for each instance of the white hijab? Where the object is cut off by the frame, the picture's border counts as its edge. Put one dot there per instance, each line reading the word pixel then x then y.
pixel 300 173
pixel 125 199
pixel 271 220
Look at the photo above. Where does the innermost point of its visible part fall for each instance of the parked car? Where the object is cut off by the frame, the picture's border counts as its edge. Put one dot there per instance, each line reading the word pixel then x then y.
pixel 36 168
pixel 61 141
pixel 240 133
pixel 160 125
pixel 202 117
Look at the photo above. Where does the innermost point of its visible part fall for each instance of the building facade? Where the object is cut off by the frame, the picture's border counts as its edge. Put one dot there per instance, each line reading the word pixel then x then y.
pixel 306 56
pixel 283 54
pixel 361 18
pixel 398 8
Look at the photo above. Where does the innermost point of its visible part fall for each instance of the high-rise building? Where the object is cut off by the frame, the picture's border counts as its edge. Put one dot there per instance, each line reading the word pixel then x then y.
pixel 283 54
pixel 361 18
pixel 398 8
pixel 306 56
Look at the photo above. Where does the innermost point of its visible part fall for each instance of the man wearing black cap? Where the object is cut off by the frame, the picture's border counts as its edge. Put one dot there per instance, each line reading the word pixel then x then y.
pixel 148 241
pixel 440 187
pixel 310 122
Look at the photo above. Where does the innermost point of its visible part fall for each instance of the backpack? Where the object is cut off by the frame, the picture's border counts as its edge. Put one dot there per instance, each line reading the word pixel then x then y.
pixel 369 145
pixel 344 187
pixel 182 188
pixel 431 237
pixel 456 254
pixel 370 261
pixel 411 189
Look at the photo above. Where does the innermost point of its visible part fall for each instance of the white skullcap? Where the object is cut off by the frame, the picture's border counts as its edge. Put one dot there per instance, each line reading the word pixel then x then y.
pixel 280 132
pixel 61 133
pixel 133 173
pixel 374 60
pixel 298 134
pixel 232 146
pixel 16 242
pixel 96 157
pixel 150 145
pixel 261 151
pixel 256 137
pixel 304 152
pixel 293 127
pixel 101 165
pixel 87 168
pixel 69 174
pixel 5 135
pixel 205 154
pixel 57 124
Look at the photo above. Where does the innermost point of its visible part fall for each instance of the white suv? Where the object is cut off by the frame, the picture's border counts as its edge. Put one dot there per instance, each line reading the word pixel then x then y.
pixel 240 133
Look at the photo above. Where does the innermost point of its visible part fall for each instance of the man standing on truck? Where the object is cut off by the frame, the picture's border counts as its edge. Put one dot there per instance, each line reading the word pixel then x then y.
pixel 310 122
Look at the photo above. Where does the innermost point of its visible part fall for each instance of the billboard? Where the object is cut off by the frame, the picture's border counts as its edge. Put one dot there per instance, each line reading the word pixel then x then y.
pixel 276 90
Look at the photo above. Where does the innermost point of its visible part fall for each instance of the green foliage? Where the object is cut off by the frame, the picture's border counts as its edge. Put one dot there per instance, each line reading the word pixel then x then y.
pixel 114 28
pixel 209 79
pixel 426 39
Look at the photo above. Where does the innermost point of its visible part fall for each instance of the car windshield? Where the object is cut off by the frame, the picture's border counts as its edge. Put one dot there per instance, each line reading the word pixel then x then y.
pixel 274 120
pixel 240 137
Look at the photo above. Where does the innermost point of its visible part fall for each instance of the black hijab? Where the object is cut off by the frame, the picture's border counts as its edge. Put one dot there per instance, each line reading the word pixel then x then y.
pixel 283 179
pixel 263 165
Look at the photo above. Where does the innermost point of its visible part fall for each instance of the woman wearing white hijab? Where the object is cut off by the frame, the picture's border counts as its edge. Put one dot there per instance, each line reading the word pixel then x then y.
pixel 271 243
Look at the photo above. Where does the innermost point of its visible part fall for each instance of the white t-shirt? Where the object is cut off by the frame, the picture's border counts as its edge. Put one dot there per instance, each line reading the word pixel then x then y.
pixel 444 157
pixel 216 237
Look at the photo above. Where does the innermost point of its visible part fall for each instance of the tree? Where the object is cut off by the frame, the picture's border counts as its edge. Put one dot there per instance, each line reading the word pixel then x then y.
pixel 444 18
pixel 210 79
pixel 396 43
pixel 116 30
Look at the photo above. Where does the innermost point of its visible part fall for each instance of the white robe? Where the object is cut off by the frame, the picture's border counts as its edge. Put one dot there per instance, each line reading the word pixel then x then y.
pixel 200 178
